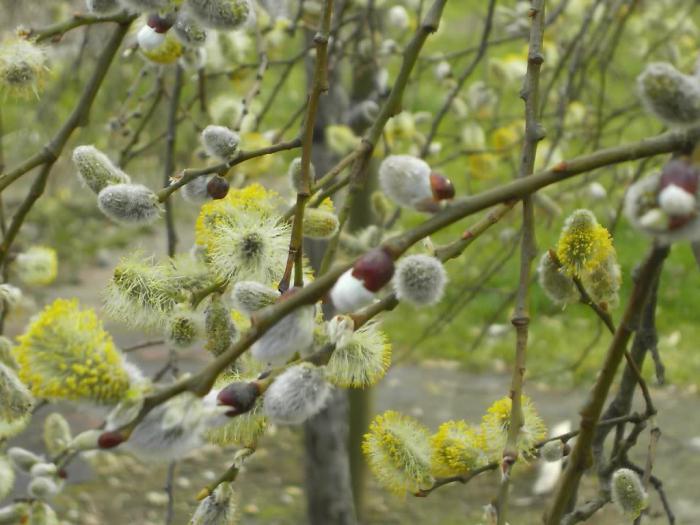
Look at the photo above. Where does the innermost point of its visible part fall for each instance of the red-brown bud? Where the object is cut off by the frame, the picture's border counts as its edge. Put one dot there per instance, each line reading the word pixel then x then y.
pixel 681 173
pixel 442 187
pixel 217 187
pixel 374 269
pixel 240 396
pixel 110 439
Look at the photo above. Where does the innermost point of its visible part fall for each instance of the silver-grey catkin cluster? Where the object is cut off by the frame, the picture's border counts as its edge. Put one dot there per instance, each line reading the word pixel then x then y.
pixel 95 169
pixel 219 327
pixel 221 14
pixel 293 333
pixel 420 279
pixel 299 393
pixel 144 5
pixel 405 180
pixel 250 296
pixel 669 94
pixel 195 191
pixel 294 174
pixel 628 492
pixel 220 142
pixel 188 31
pixel 129 204
pixel 558 286
pixel 103 7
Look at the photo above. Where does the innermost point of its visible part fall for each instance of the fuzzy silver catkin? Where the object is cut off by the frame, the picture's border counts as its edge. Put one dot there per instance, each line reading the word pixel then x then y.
pixel 172 430
pixel 95 169
pixel 299 393
pixel 42 488
pixel 220 142
pixel 250 296
pixel 7 477
pixel 420 280
pixel 219 327
pixel 552 451
pixel 222 14
pixel 129 204
pixel 628 492
pixel 558 286
pixel 196 191
pixel 144 5
pixel 188 31
pixel 219 508
pixel 103 7
pixel 293 333
pixel 669 94
pixel 294 173
pixel 405 180
pixel 23 459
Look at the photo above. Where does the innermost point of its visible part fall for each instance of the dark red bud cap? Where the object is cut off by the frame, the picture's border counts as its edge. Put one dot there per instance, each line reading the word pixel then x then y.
pixel 681 173
pixel 217 187
pixel 160 24
pixel 110 439
pixel 240 396
pixel 374 269
pixel 442 187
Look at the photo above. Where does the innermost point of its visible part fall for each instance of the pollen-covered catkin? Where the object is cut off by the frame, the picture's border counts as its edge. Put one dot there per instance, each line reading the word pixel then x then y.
pixel 188 31
pixel 95 169
pixel 22 67
pixel 420 280
pixel 397 448
pixel 221 14
pixel 299 393
pixel 129 204
pixel 220 142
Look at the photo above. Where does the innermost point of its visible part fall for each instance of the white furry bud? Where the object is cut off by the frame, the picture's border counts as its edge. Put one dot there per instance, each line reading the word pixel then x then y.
pixel 293 333
pixel 349 294
pixel 85 440
pixel 443 70
pixel 43 470
pixel 397 18
pixel 675 201
pixel 297 394
pixel 129 204
pixel 420 280
pixel 669 94
pixel 405 180
pixel 294 173
pixel 149 39
pixel 220 142
pixel 597 191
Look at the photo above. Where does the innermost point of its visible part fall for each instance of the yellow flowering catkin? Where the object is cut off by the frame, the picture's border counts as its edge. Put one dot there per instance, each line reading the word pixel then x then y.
pixel 66 354
pixel 397 448
pixel 584 244
pixel 457 447
pixel 496 421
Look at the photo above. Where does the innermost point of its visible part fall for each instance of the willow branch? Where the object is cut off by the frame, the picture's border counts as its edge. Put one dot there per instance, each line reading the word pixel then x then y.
pixel 534 133
pixel 319 86
pixel 56 31
pixel 169 161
